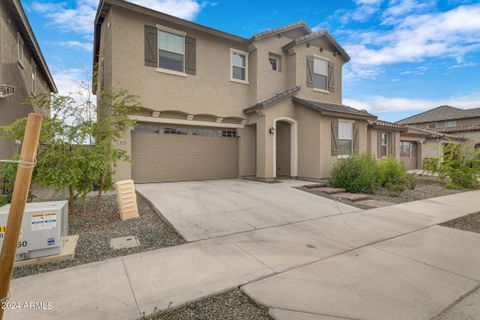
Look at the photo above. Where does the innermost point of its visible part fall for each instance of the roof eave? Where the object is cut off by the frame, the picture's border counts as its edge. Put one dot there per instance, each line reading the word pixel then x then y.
pixel 266 34
pixel 28 28
pixel 341 114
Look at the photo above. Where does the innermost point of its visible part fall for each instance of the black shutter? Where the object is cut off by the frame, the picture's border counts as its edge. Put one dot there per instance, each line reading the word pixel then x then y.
pixel 334 135
pixel 331 77
pixel 310 71
pixel 190 55
pixel 151 47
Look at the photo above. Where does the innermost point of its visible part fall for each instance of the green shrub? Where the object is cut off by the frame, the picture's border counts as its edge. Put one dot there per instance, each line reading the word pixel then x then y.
pixel 459 167
pixel 3 200
pixel 357 173
pixel 431 164
pixel 391 171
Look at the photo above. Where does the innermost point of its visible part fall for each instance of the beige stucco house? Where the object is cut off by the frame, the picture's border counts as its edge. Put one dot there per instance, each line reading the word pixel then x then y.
pixel 217 105
pixel 23 70
pixel 429 131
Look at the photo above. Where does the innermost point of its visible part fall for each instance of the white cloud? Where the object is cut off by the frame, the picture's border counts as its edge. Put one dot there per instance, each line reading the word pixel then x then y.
pixel 451 34
pixel 74 82
pixel 80 17
pixel 363 11
pixel 381 104
pixel 397 8
pixel 86 46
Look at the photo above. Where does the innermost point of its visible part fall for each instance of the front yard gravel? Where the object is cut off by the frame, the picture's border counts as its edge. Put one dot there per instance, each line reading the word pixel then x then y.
pixel 233 305
pixel 96 228
pixel 466 223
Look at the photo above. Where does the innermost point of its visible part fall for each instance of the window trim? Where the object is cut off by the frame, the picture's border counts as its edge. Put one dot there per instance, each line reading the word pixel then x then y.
pixel 232 51
pixel 450 121
pixel 315 56
pixel 20 51
pixel 352 122
pixel 435 123
pixel 382 134
pixel 178 33
pixel 277 59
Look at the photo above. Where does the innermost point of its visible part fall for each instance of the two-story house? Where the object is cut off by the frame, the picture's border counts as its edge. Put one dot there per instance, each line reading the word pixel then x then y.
pixel 23 70
pixel 217 105
pixel 446 124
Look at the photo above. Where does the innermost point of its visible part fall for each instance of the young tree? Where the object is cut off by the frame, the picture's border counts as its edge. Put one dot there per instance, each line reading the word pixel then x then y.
pixel 66 158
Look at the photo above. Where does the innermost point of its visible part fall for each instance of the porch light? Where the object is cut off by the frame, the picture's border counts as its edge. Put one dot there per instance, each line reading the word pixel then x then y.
pixel 271 130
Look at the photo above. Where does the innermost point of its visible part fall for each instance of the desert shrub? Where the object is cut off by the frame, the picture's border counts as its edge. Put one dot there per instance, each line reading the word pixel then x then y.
pixel 459 167
pixel 357 173
pixel 430 164
pixel 391 171
pixel 3 200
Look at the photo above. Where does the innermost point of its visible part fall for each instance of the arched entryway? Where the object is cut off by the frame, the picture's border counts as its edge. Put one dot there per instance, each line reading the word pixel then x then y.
pixel 285 147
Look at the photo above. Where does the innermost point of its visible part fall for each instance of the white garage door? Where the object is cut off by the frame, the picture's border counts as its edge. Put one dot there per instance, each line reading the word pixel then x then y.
pixel 162 153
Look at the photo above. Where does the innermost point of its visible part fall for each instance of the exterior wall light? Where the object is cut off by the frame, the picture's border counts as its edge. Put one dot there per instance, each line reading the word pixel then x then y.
pixel 271 130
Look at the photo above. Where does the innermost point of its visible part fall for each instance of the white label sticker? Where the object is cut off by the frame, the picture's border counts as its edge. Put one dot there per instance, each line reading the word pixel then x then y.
pixel 44 221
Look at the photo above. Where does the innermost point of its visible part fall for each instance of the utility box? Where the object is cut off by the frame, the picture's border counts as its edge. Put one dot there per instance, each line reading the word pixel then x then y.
pixel 44 225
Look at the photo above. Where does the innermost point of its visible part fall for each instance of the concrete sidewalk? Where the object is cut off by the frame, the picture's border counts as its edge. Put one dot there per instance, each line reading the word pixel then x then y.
pixel 124 288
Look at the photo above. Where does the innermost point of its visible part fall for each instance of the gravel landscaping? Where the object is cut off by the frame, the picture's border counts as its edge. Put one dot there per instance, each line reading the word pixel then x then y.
pixel 233 305
pixel 97 228
pixel 426 187
pixel 466 223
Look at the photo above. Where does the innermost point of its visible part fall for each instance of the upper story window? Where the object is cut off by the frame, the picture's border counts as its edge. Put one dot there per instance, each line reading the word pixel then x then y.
pixel 20 50
pixel 34 78
pixel 171 51
pixel 345 138
pixel 274 62
pixel 320 73
pixel 450 124
pixel 383 144
pixel 432 125
pixel 239 66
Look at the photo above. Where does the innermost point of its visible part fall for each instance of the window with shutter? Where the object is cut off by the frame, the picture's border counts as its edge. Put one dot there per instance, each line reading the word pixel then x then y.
pixel 320 73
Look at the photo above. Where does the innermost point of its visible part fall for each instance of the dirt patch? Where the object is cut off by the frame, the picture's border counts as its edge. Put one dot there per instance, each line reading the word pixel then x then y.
pixel 233 305
pixel 97 228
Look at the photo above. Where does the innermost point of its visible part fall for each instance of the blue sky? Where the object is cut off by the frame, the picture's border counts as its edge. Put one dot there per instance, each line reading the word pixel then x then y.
pixel 407 55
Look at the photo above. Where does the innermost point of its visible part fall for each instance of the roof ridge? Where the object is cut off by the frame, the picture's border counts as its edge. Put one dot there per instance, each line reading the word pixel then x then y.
pixel 281 28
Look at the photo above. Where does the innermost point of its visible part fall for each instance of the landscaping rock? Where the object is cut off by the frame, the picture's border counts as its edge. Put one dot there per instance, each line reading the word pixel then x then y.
pixel 330 190
pixel 233 305
pixel 97 228
pixel 375 203
pixel 353 196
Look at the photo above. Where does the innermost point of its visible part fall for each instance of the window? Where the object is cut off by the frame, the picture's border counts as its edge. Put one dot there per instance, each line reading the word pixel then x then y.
pixel 227 133
pixel 450 124
pixel 20 50
pixel 320 73
pixel 34 78
pixel 202 132
pixel 405 148
pixel 384 144
pixel 148 128
pixel 432 125
pixel 171 51
pixel 345 138
pixel 182 131
pixel 274 62
pixel 239 72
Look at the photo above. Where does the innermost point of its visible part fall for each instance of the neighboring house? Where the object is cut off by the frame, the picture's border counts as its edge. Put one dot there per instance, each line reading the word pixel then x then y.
pixel 23 70
pixel 442 125
pixel 217 105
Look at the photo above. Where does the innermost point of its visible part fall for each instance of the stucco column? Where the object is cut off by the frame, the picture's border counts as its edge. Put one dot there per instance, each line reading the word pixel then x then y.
pixel 264 149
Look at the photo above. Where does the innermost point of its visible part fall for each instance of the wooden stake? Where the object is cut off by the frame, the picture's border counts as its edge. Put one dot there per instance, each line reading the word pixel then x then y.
pixel 19 199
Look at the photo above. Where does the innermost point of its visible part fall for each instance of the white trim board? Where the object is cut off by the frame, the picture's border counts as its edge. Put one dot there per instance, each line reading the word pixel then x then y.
pixel 187 122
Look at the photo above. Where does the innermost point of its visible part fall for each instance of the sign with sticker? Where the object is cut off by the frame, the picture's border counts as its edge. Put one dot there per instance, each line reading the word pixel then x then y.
pixel 2 231
pixel 50 241
pixel 44 221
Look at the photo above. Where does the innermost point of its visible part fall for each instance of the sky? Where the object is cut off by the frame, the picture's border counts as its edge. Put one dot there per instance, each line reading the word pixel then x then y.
pixel 407 56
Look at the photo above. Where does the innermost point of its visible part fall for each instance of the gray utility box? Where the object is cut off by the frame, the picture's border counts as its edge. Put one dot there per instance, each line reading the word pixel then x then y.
pixel 43 227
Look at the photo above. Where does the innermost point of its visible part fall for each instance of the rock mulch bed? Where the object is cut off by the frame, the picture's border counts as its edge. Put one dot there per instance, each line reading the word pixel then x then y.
pixel 97 228
pixel 467 223
pixel 427 187
pixel 233 305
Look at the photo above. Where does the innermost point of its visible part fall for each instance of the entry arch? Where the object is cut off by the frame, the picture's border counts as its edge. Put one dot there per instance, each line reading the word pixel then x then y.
pixel 293 145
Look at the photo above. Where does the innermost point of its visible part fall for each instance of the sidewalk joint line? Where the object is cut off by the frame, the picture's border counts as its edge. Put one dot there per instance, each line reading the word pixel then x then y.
pixel 131 288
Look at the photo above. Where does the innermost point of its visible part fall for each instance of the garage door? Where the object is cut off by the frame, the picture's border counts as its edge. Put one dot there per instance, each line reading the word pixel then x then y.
pixel 409 154
pixel 162 153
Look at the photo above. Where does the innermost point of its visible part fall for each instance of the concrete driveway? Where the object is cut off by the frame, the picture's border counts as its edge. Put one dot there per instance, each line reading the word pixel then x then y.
pixel 206 209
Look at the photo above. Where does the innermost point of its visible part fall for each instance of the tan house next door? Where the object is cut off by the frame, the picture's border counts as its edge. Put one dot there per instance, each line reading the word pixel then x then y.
pixel 163 153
